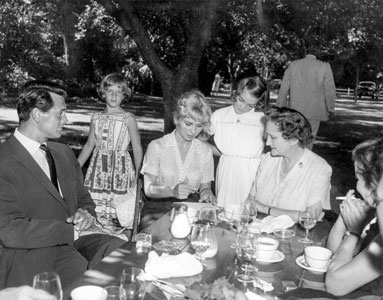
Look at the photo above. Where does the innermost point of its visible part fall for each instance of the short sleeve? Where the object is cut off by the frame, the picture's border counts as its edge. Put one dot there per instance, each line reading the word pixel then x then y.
pixel 151 163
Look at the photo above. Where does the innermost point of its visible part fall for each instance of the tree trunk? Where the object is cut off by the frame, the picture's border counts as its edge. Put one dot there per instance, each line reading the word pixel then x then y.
pixel 356 84
pixel 185 77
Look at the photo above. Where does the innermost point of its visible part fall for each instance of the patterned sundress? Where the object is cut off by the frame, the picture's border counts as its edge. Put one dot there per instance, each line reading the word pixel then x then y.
pixel 111 170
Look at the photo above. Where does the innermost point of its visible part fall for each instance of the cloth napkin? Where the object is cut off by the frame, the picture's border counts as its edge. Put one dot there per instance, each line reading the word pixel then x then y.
pixel 253 296
pixel 167 266
pixel 270 223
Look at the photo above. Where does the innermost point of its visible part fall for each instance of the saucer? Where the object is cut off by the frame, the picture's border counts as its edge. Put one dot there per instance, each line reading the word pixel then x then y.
pixel 222 217
pixel 277 257
pixel 302 263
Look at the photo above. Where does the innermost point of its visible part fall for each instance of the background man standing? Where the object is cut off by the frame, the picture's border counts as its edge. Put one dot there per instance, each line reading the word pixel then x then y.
pixel 42 197
pixel 309 83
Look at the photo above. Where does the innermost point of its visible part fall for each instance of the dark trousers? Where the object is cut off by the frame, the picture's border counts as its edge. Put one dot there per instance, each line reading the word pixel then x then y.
pixel 18 266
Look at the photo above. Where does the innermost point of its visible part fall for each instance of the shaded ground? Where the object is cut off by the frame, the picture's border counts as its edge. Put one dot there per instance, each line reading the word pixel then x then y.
pixel 351 124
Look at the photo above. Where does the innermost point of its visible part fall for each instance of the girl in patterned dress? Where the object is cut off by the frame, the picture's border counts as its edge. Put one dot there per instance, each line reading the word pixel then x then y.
pixel 111 171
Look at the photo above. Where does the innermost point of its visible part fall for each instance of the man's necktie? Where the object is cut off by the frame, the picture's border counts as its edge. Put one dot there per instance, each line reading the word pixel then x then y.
pixel 51 163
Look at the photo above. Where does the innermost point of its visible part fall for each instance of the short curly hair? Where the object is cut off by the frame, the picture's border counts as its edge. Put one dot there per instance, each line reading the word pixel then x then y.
pixel 368 157
pixel 193 104
pixel 291 123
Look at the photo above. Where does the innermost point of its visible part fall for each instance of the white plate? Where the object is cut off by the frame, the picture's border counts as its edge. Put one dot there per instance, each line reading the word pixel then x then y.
pixel 302 263
pixel 277 257
pixel 222 217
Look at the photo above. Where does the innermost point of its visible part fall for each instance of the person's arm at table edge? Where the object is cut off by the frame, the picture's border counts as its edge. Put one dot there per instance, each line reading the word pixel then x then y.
pixel 275 211
pixel 336 234
pixel 20 231
pixel 346 274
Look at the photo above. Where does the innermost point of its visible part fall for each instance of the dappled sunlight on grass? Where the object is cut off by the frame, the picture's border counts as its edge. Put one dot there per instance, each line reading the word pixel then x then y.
pixel 351 124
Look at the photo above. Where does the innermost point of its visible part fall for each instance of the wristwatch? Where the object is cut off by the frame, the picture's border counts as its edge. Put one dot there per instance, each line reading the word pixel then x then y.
pixel 352 233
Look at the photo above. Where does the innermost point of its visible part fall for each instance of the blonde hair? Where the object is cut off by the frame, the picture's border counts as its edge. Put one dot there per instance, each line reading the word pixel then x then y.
pixel 193 104
pixel 117 80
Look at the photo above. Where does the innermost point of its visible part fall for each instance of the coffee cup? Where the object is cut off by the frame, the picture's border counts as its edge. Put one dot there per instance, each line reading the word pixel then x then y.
pixel 89 292
pixel 317 257
pixel 266 248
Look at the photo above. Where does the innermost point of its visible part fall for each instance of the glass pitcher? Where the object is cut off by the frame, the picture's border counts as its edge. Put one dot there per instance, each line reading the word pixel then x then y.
pixel 180 226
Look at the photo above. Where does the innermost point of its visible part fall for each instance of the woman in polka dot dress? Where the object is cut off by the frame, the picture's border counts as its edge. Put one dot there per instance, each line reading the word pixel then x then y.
pixel 178 164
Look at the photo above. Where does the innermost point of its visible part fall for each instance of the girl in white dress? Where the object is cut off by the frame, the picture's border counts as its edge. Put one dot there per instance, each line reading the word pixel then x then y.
pixel 238 136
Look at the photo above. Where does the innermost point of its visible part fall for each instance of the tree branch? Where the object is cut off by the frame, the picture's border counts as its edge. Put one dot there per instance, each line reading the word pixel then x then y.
pixel 129 21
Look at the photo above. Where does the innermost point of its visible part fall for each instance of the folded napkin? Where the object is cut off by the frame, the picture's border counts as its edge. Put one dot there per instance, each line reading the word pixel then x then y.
pixel 270 223
pixel 253 296
pixel 167 266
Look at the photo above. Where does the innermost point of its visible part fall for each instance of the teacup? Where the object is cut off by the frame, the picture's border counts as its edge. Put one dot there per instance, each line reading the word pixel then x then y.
pixel 266 248
pixel 317 257
pixel 89 292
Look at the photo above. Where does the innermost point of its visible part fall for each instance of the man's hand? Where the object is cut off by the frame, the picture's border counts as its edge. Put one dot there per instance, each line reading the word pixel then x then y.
pixel 81 220
pixel 25 293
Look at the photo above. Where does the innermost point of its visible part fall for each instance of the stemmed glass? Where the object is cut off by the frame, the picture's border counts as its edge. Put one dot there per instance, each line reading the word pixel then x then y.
pixel 248 212
pixel 131 286
pixel 49 282
pixel 208 215
pixel 246 253
pixel 308 221
pixel 236 226
pixel 200 238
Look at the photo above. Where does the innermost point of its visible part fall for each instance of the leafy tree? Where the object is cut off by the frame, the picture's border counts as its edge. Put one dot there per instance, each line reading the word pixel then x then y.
pixel 26 40
pixel 196 19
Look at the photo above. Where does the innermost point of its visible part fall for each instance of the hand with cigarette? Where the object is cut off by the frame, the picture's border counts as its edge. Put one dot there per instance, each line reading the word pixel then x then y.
pixel 81 220
pixel 355 212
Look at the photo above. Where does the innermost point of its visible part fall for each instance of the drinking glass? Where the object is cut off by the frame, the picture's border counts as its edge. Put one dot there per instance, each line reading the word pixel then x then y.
pixel 132 288
pixel 308 221
pixel 246 253
pixel 208 215
pixel 115 292
pixel 237 227
pixel 248 212
pixel 200 238
pixel 49 282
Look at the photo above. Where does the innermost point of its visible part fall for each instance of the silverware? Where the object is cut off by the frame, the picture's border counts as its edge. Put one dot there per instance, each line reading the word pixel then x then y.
pixel 170 288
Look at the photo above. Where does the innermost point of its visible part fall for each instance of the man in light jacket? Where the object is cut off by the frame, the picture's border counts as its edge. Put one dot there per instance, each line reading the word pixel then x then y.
pixel 309 83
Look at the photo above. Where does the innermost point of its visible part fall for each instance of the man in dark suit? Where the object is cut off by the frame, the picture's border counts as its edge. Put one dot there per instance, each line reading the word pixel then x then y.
pixel 43 201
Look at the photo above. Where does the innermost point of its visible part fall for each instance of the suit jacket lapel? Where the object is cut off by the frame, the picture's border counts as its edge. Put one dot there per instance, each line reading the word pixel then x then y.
pixel 66 184
pixel 23 156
